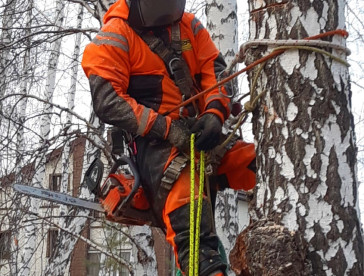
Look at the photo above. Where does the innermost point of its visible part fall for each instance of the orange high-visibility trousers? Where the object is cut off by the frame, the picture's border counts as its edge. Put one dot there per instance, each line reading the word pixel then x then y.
pixel 235 168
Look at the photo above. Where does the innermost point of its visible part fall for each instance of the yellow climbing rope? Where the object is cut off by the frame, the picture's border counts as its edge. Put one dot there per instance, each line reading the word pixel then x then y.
pixel 192 206
pixel 195 224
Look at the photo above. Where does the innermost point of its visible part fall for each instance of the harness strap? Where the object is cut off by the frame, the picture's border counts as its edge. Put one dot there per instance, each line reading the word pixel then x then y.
pixel 174 62
pixel 170 175
pixel 178 66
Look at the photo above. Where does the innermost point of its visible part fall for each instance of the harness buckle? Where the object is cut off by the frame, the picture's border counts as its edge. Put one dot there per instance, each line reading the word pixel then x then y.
pixel 182 107
pixel 170 65
pixel 209 170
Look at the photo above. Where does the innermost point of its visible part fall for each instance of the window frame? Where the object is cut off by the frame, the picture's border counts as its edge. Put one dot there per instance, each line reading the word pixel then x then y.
pixel 55 181
pixel 52 236
pixel 5 245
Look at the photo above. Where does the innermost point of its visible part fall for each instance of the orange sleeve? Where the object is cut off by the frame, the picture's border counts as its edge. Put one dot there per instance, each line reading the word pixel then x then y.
pixel 106 63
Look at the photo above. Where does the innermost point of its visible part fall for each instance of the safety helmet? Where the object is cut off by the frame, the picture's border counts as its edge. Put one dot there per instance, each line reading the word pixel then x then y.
pixel 154 13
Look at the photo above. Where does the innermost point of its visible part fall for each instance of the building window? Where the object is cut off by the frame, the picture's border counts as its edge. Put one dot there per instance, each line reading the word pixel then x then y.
pixel 116 269
pixel 51 241
pixel 123 271
pixel 97 215
pixel 110 267
pixel 55 182
pixel 5 238
pixel 93 263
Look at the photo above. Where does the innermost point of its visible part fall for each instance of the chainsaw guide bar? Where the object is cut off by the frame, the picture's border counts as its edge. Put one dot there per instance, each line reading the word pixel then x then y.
pixel 58 197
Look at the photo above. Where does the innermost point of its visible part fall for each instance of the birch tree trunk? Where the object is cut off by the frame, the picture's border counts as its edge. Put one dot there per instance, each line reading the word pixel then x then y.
pixel 20 153
pixel 27 257
pixel 5 39
pixel 144 254
pixel 70 104
pixel 306 204
pixel 222 25
pixel 5 54
pixel 77 218
pixel 56 263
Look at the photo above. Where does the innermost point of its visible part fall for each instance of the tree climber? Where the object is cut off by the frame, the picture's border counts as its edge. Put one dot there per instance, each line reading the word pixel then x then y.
pixel 149 57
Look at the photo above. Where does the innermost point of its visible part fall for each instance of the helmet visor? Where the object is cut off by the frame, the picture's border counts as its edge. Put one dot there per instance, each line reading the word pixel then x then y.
pixel 155 13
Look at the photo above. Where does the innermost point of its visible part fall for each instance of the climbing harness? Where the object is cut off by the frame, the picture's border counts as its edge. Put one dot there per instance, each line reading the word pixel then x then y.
pixel 195 224
pixel 137 204
pixel 176 66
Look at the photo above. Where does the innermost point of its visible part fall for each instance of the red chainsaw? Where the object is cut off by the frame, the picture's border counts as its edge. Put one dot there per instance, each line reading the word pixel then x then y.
pixel 120 197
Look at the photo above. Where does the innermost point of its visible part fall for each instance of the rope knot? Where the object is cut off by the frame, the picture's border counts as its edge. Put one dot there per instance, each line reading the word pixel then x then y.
pixel 249 106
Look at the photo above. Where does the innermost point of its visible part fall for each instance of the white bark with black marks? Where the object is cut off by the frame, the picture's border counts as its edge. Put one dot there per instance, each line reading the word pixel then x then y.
pixel 305 140
pixel 59 263
pixel 6 57
pixel 144 253
pixel 222 25
pixel 20 140
pixel 27 258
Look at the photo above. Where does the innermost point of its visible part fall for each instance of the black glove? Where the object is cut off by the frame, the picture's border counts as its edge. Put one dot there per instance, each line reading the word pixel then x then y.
pixel 208 132
pixel 179 134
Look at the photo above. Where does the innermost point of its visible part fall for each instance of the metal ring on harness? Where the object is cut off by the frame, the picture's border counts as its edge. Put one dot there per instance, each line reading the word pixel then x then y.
pixel 170 64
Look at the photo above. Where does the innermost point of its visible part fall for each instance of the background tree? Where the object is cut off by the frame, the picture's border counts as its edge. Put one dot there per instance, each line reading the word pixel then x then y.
pixel 305 210
pixel 29 236
pixel 6 60
pixel 222 25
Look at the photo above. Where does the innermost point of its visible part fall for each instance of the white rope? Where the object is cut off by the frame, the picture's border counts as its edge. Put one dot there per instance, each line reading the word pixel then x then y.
pixel 239 58
pixel 291 42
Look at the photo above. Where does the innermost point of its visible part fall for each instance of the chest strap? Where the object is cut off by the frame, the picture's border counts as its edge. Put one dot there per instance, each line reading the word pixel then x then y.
pixel 174 62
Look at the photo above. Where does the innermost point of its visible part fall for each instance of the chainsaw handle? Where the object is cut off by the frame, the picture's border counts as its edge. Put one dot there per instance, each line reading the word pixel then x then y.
pixel 124 160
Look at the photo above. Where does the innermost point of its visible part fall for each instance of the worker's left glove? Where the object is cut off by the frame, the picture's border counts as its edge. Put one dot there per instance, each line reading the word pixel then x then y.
pixel 179 135
pixel 208 132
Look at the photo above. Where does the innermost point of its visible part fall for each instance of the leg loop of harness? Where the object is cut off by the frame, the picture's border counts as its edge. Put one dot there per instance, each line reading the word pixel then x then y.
pixel 170 175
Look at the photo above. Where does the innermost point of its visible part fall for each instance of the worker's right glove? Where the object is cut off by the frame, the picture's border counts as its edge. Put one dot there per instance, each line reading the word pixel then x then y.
pixel 179 134
pixel 208 131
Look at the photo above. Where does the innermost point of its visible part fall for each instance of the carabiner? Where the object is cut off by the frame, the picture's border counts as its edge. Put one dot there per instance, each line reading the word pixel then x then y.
pixel 170 64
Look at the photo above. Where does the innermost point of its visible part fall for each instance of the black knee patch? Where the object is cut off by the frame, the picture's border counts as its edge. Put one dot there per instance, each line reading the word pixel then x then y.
pixel 210 259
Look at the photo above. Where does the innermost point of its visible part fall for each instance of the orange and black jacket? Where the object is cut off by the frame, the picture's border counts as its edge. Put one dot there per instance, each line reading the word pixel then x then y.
pixel 130 84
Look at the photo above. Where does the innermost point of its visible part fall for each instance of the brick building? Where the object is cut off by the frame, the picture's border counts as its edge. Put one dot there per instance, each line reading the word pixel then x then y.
pixel 85 260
